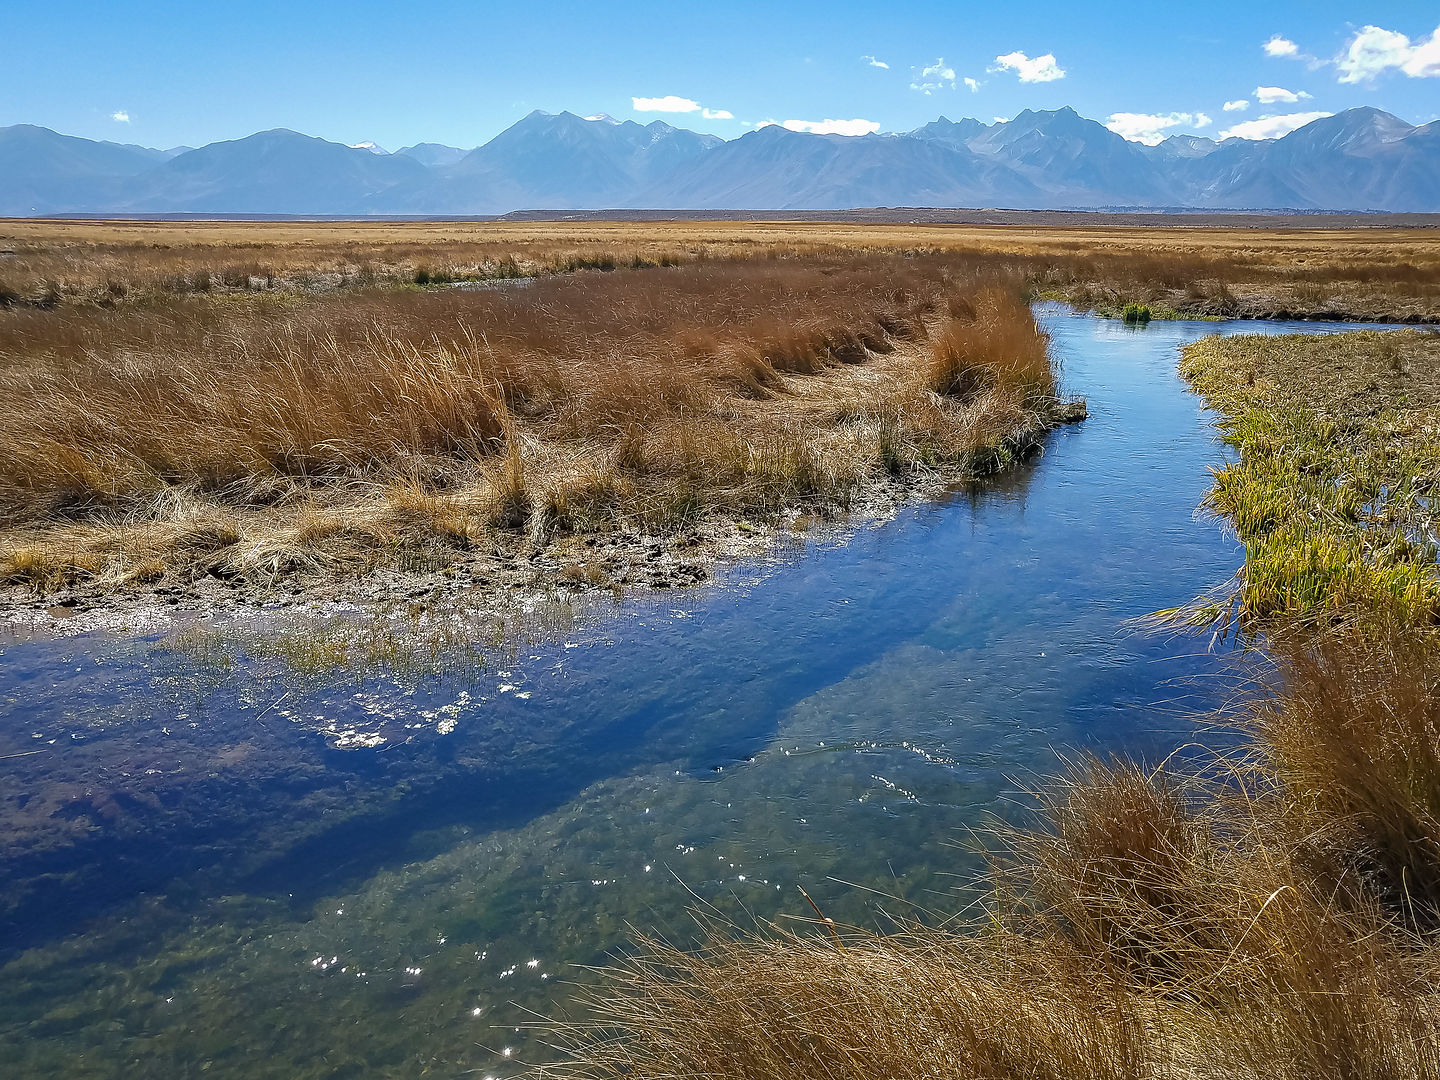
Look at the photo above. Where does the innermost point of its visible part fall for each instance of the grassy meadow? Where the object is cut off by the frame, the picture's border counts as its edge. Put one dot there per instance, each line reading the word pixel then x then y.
pixel 1363 272
pixel 256 435
pixel 256 401
pixel 1339 458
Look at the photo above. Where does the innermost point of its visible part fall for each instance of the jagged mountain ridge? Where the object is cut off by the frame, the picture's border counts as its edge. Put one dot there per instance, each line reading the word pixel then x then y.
pixel 1360 159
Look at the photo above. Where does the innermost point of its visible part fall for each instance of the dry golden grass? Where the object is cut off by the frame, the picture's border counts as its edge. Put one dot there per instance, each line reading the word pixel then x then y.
pixel 337 431
pixel 1365 271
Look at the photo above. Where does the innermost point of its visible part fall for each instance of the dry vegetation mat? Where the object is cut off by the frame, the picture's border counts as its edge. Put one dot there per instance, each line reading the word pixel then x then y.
pixel 252 436
pixel 1377 273
pixel 1270 914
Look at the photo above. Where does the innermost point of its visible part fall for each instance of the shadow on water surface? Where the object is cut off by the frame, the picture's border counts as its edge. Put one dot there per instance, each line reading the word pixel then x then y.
pixel 844 713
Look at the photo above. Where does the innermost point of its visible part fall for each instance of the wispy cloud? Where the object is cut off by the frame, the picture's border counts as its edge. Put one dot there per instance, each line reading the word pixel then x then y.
pixel 1238 105
pixel 1038 69
pixel 932 77
pixel 1281 46
pixel 834 127
pixel 973 84
pixel 1150 128
pixel 1272 127
pixel 875 63
pixel 1374 50
pixel 1278 95
pixel 670 103
pixel 717 114
pixel 120 116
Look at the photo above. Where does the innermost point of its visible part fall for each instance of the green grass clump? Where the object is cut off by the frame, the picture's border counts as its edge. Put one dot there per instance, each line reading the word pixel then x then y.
pixel 1136 314
pixel 1338 459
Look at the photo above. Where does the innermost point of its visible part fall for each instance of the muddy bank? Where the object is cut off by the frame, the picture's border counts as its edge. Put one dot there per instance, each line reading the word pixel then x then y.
pixel 512 566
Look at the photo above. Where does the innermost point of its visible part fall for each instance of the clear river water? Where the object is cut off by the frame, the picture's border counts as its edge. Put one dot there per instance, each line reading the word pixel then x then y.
pixel 218 861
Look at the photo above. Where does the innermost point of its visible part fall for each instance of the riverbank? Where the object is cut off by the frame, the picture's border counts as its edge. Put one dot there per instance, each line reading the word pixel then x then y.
pixel 1339 458
pixel 600 431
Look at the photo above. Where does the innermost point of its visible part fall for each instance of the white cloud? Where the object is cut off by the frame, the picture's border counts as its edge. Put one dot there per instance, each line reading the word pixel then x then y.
pixel 834 127
pixel 1281 46
pixel 1373 50
pixel 120 116
pixel 1239 105
pixel 1271 95
pixel 1031 70
pixel 670 103
pixel 673 104
pixel 875 63
pixel 1272 127
pixel 932 77
pixel 1150 128
pixel 973 84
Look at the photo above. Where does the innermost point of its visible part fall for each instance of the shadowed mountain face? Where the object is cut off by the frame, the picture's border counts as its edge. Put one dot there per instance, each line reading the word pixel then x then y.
pixel 1361 159
pixel 272 172
pixel 41 171
pixel 1077 162
pixel 789 170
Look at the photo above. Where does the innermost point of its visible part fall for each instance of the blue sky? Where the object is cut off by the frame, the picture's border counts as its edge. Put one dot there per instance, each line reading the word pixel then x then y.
pixel 167 73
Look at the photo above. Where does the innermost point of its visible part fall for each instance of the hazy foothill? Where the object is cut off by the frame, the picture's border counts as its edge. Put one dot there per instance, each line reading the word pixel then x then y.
pixel 807 602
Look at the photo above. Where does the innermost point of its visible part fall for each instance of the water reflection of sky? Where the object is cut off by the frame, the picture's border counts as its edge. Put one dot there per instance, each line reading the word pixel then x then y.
pixel 304 874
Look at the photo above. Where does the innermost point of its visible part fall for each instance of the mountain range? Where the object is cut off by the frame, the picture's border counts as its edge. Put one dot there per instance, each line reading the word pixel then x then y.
pixel 1361 159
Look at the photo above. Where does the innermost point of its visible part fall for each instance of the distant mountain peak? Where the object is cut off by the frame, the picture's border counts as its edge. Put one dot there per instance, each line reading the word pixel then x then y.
pixel 433 155
pixel 1184 146
pixel 1359 130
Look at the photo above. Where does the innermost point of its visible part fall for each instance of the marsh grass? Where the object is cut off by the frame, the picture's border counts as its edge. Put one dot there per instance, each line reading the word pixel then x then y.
pixel 1365 272
pixel 1338 458
pixel 340 432
pixel 1135 314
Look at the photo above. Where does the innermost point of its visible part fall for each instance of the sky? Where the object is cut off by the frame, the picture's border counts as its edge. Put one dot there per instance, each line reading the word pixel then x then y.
pixel 167 73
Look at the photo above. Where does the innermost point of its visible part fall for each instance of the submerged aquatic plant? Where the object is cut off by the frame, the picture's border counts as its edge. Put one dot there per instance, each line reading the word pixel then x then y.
pixel 1135 314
